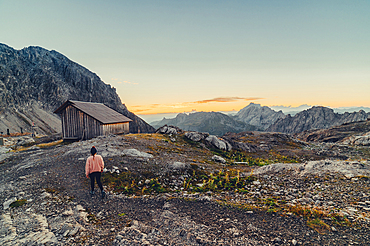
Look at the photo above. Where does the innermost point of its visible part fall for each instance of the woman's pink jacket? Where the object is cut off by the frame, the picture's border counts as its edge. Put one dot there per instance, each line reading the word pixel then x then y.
pixel 94 164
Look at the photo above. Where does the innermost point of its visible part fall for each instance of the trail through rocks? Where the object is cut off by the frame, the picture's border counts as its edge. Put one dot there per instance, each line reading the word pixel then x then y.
pixel 60 211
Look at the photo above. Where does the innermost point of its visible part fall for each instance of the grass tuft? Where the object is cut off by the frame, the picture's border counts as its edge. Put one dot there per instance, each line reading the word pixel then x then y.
pixel 18 203
pixel 318 225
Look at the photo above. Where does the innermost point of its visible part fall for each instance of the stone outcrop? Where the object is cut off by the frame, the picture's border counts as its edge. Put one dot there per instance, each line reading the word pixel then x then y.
pixel 218 143
pixel 315 118
pixel 196 136
pixel 210 140
pixel 349 169
pixel 177 166
pixel 169 130
pixel 362 140
pixel 256 115
pixel 136 153
pixel 35 81
pixel 218 159
pixel 348 133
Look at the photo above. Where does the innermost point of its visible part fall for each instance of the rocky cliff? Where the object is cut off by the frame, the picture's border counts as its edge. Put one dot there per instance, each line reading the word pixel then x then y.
pixel 315 118
pixel 35 81
pixel 355 133
pixel 212 122
pixel 261 117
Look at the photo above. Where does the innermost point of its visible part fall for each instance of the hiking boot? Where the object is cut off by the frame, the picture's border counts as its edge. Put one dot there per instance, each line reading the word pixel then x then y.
pixel 92 193
pixel 102 194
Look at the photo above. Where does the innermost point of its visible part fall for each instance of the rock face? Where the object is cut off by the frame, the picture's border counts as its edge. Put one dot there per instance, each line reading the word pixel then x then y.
pixel 348 133
pixel 261 117
pixel 212 122
pixel 315 118
pixel 363 140
pixel 210 140
pixel 348 169
pixel 35 81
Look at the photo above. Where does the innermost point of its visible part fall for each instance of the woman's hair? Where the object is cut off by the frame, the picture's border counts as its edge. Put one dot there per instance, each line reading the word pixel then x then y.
pixel 93 150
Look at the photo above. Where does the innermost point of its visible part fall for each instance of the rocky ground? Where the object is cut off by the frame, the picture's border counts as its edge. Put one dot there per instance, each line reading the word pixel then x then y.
pixel 161 190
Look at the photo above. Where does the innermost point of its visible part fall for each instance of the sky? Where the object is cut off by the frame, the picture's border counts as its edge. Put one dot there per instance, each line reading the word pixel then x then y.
pixel 181 56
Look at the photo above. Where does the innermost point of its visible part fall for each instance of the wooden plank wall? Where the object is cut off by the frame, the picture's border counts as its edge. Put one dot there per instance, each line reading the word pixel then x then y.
pixel 117 128
pixel 76 124
pixel 93 128
pixel 71 123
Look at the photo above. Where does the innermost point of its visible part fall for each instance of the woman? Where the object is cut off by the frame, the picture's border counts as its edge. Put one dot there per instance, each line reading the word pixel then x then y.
pixel 94 168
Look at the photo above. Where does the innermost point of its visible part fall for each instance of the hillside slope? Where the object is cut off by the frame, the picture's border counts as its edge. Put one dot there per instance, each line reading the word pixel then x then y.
pixel 35 81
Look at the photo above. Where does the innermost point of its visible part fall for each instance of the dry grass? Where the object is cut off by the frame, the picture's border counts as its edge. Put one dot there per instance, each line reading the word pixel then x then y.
pixel 318 225
pixel 148 136
pixel 46 145
pixel 15 134
pixel 307 212
pixel 42 145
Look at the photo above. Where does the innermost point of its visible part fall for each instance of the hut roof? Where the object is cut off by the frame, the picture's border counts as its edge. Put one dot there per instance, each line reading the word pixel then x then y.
pixel 98 111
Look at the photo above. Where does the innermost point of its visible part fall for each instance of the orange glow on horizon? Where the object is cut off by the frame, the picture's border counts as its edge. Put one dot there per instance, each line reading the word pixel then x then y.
pixel 225 106
pixel 215 104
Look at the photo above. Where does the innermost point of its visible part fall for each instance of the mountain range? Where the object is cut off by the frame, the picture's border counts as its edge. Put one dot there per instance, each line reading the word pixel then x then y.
pixel 212 122
pixel 263 118
pixel 317 117
pixel 253 117
pixel 35 81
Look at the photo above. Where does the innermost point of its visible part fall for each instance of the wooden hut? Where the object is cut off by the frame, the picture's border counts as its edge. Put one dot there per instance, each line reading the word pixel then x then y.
pixel 85 120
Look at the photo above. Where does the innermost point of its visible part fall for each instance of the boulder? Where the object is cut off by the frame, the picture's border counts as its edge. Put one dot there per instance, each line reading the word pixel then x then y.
pixel 169 130
pixel 178 166
pixel 218 159
pixel 4 150
pixel 24 141
pixel 136 153
pixel 7 203
pixel 218 143
pixel 196 136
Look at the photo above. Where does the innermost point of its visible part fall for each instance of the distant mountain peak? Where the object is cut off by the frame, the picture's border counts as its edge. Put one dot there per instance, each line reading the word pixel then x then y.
pixel 252 104
pixel 256 115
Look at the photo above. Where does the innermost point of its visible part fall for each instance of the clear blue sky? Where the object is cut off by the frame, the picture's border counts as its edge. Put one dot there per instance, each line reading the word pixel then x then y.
pixel 174 56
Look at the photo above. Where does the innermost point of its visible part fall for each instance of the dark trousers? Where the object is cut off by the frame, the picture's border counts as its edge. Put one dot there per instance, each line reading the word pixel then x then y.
pixel 93 176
